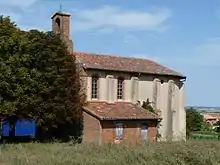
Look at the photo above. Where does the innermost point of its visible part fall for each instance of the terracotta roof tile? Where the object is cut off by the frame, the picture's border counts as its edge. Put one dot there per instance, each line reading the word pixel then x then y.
pixel 214 115
pixel 109 62
pixel 209 117
pixel 119 110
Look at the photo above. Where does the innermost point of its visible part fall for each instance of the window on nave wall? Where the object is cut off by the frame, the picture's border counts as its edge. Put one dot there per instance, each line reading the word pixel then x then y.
pixel 94 91
pixel 120 88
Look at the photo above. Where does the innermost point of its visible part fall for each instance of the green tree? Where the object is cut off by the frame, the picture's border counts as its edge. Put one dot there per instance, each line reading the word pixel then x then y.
pixel 194 120
pixel 217 129
pixel 39 79
pixel 147 105
pixel 217 124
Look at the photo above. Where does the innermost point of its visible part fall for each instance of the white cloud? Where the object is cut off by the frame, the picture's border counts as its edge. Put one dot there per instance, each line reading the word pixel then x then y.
pixel 213 40
pixel 106 30
pixel 27 28
pixel 105 19
pixel 158 59
pixel 204 55
pixel 208 54
pixel 17 3
pixel 115 17
pixel 13 8
pixel 154 36
pixel 13 15
pixel 131 39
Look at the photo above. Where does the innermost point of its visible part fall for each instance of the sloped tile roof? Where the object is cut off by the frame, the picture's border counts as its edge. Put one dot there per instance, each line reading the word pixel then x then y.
pixel 213 115
pixel 126 64
pixel 117 111
pixel 209 117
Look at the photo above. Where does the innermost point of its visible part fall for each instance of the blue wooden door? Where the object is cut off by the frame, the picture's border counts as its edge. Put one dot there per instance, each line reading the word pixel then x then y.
pixel 26 127
pixel 5 128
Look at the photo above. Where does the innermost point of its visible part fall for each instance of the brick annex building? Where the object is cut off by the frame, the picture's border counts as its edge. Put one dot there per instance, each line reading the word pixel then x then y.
pixel 116 87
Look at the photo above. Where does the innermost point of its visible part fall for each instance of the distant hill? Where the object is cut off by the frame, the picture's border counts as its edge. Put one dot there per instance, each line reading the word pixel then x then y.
pixel 205 109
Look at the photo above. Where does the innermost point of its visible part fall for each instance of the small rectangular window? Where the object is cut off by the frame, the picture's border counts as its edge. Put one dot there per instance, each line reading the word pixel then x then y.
pixel 94 87
pixel 120 89
pixel 119 131
pixel 144 130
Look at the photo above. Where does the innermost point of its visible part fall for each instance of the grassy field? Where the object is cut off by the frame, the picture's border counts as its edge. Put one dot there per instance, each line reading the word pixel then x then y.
pixel 205 135
pixel 196 152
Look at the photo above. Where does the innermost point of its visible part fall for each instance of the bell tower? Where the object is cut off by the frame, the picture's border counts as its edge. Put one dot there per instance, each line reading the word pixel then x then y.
pixel 61 26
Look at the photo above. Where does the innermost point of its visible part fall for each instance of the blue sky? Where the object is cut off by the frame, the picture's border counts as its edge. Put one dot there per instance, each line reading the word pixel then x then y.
pixel 183 35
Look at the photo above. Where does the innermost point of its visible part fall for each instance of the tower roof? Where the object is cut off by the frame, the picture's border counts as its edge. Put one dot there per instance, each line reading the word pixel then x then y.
pixel 61 14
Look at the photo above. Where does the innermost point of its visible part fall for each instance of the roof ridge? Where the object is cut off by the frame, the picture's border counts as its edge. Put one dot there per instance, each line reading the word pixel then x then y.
pixel 119 112
pixel 110 61
pixel 111 55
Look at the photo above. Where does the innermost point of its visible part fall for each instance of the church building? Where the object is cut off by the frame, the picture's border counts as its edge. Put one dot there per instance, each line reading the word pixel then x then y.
pixel 115 89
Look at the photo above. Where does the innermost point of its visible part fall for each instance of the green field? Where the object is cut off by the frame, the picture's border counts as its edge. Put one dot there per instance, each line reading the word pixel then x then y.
pixel 193 152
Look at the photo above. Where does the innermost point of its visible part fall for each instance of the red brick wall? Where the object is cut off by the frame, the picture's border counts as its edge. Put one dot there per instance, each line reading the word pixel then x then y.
pixel 152 131
pixel 66 27
pixel 92 129
pixel 104 131
pixel 131 132
pixel 107 131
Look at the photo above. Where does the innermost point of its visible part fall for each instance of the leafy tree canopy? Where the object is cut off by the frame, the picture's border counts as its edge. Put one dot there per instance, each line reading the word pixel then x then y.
pixel 38 77
pixel 194 120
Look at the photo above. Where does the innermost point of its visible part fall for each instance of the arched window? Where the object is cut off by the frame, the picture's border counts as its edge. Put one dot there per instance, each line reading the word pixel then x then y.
pixel 120 88
pixel 57 21
pixel 95 87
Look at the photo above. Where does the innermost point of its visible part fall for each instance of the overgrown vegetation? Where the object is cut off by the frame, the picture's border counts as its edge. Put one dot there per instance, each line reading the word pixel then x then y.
pixel 183 153
pixel 197 128
pixel 38 79
pixel 148 106
pixel 194 121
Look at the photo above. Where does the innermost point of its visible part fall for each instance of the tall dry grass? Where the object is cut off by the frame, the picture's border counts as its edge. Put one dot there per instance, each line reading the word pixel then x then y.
pixel 191 153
